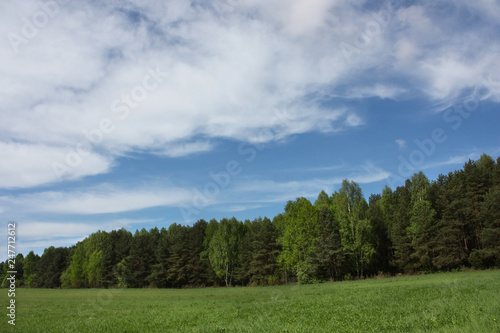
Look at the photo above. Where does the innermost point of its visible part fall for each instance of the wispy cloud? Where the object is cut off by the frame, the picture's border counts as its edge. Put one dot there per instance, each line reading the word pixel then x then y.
pixel 42 234
pixel 354 120
pixel 378 90
pixel 254 190
pixel 99 200
pixel 371 174
pixel 401 144
pixel 322 168
pixel 241 208
pixel 453 160
pixel 40 230
pixel 184 149
pixel 28 165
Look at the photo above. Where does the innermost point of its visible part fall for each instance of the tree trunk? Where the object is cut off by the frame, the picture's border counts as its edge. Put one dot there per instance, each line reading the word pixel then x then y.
pixel 227 275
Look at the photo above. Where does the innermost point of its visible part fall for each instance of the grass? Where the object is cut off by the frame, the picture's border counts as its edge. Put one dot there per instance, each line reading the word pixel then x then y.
pixel 448 302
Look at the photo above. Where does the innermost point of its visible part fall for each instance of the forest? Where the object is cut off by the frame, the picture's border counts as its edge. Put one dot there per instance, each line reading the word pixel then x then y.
pixel 446 224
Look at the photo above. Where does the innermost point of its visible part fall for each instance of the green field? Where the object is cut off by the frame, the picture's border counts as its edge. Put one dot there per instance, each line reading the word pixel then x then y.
pixel 451 302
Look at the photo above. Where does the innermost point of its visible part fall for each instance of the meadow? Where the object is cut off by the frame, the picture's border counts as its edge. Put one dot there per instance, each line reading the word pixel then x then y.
pixel 445 302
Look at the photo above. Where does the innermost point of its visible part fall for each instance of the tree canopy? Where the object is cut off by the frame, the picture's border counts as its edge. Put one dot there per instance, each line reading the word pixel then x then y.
pixel 421 226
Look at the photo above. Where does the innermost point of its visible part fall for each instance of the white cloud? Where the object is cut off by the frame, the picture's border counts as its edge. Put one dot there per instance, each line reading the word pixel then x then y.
pixel 275 191
pixel 449 76
pixel 371 174
pixel 40 230
pixel 228 71
pixel 401 144
pixel 354 120
pixel 38 246
pixel 28 165
pixel 453 160
pixel 100 200
pixel 322 168
pixel 299 17
pixel 242 208
pixel 45 230
pixel 37 235
pixel 439 52
pixel 222 80
pixel 407 51
pixel 186 149
pixel 378 90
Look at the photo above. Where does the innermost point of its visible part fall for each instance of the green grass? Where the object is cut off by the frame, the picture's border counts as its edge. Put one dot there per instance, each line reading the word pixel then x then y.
pixel 451 302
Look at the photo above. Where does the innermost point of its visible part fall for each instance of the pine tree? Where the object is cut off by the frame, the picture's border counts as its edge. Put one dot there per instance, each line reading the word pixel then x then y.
pixel 30 263
pixel 329 253
pixel 489 254
pixel 398 206
pixel 262 252
pixel 383 251
pixel 423 225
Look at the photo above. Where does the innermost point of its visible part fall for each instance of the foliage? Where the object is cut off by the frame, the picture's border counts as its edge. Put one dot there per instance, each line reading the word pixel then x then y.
pixel 224 248
pixel 421 226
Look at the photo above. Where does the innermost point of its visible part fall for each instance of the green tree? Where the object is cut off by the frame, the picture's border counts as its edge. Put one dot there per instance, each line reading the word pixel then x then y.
pixel 212 278
pixel 139 263
pixel 30 263
pixel 329 253
pixel 397 205
pixel 423 226
pixel 259 253
pixel 300 230
pixel 50 267
pixel 489 254
pixel 178 270
pixel 323 200
pixel 124 274
pixel 224 248
pixel 422 232
pixel 356 231
pixel 383 250
pixel 159 271
pixel 94 276
pixel 76 277
pixel 3 274
pixel 19 268
pixel 453 243
pixel 479 179
pixel 199 270
pixel 115 248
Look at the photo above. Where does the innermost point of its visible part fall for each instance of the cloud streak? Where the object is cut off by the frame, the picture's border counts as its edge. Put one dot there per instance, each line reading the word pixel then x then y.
pixel 281 191
pixel 27 165
pixel 42 234
pixel 103 199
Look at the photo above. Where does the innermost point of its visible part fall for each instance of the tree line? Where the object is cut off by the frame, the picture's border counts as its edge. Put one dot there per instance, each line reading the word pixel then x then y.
pixel 421 226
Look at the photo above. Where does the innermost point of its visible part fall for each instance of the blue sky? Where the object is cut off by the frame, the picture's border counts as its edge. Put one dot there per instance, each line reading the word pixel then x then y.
pixel 139 114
